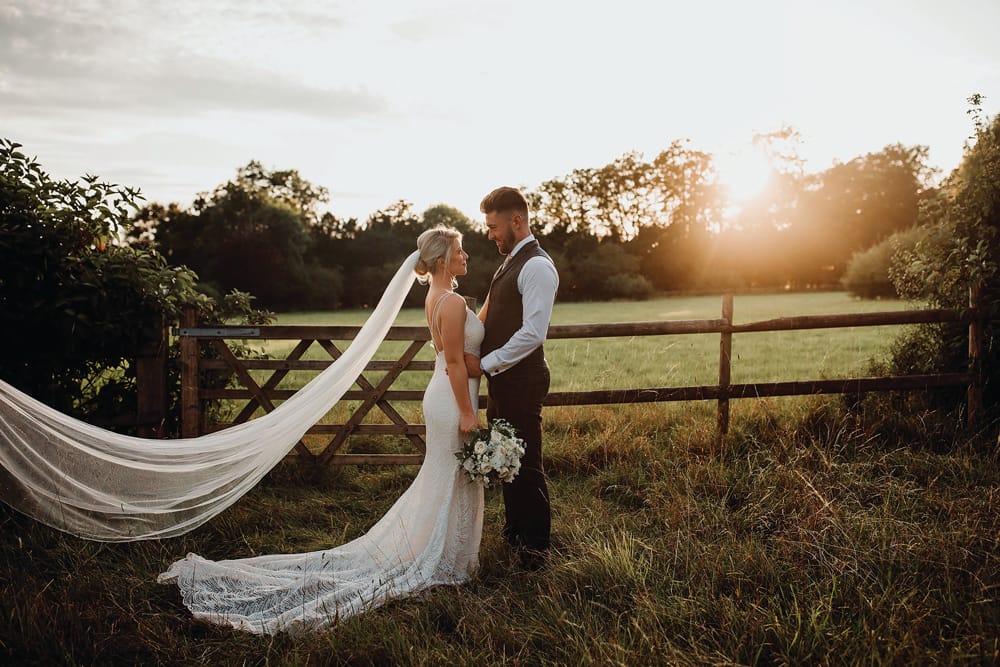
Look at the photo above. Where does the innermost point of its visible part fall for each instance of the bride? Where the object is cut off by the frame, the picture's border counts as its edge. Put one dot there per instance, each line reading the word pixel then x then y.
pixel 429 537
pixel 110 487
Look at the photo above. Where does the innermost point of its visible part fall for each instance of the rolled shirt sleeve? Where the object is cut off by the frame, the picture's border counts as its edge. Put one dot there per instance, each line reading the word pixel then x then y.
pixel 537 283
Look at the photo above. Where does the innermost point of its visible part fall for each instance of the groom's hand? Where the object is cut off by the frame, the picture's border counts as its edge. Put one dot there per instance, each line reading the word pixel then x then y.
pixel 472 365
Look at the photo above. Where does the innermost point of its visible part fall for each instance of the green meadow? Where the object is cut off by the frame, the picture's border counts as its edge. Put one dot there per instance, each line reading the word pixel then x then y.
pixel 811 535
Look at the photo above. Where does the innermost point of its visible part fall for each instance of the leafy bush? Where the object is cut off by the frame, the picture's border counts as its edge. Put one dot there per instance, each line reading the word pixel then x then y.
pixel 597 269
pixel 959 252
pixel 75 304
pixel 628 286
pixel 867 274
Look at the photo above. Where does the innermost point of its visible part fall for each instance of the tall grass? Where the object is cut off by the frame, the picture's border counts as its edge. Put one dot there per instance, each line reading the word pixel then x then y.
pixel 805 538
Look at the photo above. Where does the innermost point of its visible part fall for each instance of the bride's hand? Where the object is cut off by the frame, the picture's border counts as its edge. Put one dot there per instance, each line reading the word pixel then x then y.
pixel 469 422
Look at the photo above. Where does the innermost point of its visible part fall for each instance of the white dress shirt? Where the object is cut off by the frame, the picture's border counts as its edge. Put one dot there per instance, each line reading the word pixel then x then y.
pixel 537 283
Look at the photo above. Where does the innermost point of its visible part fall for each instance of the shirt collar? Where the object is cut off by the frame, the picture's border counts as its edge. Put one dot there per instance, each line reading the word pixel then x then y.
pixel 523 242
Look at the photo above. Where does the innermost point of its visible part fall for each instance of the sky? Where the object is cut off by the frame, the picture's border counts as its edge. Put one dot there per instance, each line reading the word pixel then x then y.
pixel 441 101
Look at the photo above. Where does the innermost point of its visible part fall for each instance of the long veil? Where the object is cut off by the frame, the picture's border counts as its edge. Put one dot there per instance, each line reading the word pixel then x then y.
pixel 108 487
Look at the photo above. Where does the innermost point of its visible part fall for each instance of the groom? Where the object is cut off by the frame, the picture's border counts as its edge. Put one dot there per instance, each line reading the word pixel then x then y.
pixel 516 316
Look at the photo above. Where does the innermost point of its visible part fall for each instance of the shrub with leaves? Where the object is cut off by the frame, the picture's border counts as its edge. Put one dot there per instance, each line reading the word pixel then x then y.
pixel 868 273
pixel 959 252
pixel 628 286
pixel 75 303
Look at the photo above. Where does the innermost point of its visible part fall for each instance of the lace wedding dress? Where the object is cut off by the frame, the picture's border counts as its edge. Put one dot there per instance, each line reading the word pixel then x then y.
pixel 429 537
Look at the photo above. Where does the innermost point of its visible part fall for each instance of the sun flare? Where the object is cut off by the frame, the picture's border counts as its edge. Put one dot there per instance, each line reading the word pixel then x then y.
pixel 744 174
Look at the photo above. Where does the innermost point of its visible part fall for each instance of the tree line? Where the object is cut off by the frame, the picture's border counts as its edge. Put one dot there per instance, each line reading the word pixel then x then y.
pixel 628 229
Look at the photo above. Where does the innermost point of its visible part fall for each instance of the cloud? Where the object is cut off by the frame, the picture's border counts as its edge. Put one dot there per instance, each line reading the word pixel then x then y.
pixel 416 29
pixel 192 86
pixel 54 61
pixel 447 22
pixel 60 45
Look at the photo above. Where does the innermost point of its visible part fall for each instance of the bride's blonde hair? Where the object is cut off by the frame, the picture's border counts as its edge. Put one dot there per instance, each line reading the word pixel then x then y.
pixel 435 244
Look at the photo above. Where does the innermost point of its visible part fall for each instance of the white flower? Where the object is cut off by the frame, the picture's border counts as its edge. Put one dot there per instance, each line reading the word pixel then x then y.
pixel 492 456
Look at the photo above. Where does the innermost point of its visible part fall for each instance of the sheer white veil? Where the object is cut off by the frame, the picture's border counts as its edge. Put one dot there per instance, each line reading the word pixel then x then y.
pixel 109 487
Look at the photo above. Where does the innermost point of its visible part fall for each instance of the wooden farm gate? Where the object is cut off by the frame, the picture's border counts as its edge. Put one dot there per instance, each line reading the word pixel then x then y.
pixel 380 395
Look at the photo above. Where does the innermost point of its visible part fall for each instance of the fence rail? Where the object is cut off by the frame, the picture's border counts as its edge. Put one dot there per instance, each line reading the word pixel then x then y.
pixel 380 395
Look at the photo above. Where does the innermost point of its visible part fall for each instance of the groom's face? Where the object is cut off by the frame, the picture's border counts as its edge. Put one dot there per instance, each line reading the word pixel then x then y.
pixel 500 230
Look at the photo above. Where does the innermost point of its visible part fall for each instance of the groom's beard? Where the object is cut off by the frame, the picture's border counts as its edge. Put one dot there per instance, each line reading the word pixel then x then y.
pixel 506 244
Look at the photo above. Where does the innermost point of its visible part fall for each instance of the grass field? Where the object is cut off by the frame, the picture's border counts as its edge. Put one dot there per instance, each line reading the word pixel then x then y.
pixel 809 537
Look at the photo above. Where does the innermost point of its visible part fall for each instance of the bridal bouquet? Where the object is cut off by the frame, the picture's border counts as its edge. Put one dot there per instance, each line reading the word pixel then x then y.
pixel 492 455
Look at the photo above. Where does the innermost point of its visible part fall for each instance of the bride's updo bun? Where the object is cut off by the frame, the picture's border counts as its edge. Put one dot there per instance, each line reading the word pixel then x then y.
pixel 435 244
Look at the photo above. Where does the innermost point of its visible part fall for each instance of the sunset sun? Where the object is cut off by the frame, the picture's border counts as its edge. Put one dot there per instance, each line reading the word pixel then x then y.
pixel 744 174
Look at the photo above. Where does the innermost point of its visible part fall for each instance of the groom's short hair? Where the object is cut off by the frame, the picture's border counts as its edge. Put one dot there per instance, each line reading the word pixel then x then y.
pixel 505 200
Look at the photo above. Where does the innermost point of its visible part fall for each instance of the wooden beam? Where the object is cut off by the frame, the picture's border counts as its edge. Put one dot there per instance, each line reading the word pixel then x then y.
pixel 360 429
pixel 974 392
pixel 850 320
pixel 376 459
pixel 758 390
pixel 725 367
pixel 190 403
pixel 615 329
pixel 151 381
pixel 311 365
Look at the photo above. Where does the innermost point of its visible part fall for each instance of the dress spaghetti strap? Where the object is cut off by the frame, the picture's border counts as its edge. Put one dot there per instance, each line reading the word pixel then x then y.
pixel 435 323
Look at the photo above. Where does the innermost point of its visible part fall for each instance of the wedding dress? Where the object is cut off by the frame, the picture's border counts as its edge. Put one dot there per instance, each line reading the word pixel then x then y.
pixel 429 537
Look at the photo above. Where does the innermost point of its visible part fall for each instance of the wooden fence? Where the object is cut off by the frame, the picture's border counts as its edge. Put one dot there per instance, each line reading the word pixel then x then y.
pixel 150 368
pixel 379 394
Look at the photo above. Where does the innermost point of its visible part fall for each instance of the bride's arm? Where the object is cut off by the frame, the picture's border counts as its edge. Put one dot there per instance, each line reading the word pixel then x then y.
pixel 453 340
pixel 472 366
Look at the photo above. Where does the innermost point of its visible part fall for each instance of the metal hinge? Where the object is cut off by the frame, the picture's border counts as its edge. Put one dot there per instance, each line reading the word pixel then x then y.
pixel 220 332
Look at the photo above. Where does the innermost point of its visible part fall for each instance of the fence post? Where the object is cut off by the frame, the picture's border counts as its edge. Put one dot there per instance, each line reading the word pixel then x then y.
pixel 974 394
pixel 190 403
pixel 151 380
pixel 725 366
